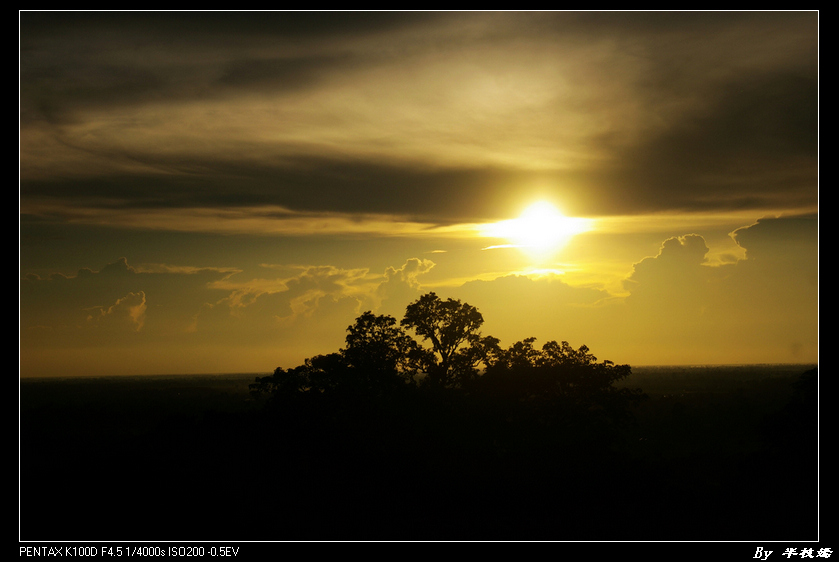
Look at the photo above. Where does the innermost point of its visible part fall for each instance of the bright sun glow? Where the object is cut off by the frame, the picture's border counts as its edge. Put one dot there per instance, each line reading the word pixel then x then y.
pixel 540 228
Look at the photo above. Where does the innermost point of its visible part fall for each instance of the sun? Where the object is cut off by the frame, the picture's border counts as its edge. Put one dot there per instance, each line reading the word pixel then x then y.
pixel 540 228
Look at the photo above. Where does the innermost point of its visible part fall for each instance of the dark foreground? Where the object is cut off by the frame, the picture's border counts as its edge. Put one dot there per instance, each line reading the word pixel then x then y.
pixel 717 454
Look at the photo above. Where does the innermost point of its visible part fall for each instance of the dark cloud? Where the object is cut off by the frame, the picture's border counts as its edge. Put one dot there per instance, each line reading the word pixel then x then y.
pixel 313 24
pixel 278 74
pixel 76 60
pixel 310 184
pixel 787 235
pixel 173 28
pixel 727 109
pixel 753 146
pixel 668 180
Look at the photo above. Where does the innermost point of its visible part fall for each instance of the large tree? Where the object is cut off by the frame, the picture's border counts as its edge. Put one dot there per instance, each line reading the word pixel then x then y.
pixel 378 347
pixel 452 327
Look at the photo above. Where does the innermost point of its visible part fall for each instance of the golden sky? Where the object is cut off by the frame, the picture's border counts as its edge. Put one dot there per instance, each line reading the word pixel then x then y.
pixel 227 191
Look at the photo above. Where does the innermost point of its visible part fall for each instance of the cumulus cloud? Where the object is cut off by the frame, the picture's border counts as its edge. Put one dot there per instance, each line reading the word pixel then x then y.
pixel 129 310
pixel 159 302
pixel 261 306
pixel 763 308
pixel 401 286
pixel 673 278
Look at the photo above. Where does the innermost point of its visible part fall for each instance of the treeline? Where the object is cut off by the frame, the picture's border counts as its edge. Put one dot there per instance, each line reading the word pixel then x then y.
pixel 382 360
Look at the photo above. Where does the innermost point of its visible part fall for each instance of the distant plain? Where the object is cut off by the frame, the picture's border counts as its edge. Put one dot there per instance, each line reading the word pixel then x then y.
pixel 710 443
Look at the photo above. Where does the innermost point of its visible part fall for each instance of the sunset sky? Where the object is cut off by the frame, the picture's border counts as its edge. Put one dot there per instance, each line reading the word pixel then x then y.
pixel 227 191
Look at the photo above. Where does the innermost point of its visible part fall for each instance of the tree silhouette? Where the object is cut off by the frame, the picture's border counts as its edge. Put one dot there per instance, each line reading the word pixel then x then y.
pixel 561 382
pixel 452 328
pixel 318 374
pixel 382 351
pixel 380 358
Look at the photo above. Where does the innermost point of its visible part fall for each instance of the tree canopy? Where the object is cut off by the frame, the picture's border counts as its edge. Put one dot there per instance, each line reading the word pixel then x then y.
pixel 379 347
pixel 456 344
